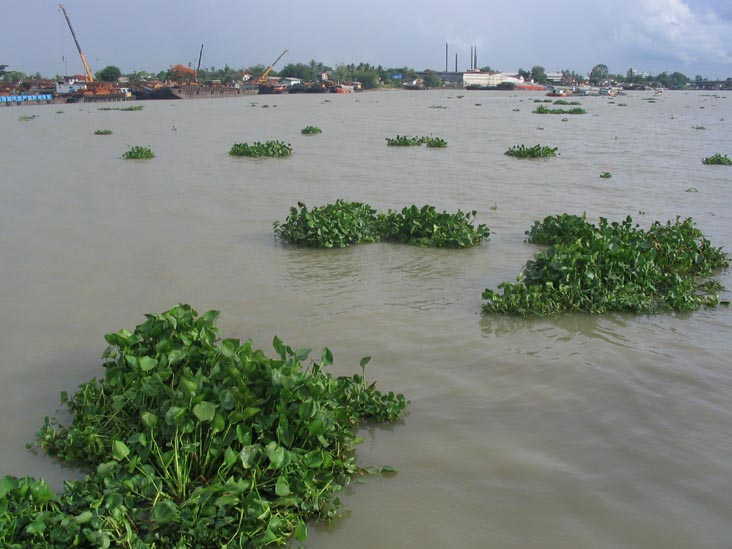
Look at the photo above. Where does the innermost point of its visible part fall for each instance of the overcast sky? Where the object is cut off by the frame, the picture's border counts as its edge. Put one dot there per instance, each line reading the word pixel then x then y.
pixel 690 36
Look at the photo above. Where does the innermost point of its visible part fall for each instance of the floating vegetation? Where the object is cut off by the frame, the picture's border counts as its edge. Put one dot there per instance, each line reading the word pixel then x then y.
pixel 26 117
pixel 59 111
pixel 541 109
pixel 345 223
pixel 426 226
pixel 718 159
pixel 698 128
pixel 537 151
pixel 542 100
pixel 606 175
pixel 622 104
pixel 130 108
pixel 272 149
pixel 443 106
pixel 434 142
pixel 404 141
pixel 516 110
pixel 139 153
pixel 415 141
pixel 692 190
pixel 311 130
pixel 103 132
pixel 611 267
pixel 565 102
pixel 194 441
pixel 331 226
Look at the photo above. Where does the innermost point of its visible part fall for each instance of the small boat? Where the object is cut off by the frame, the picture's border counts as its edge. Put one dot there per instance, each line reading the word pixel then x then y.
pixel 557 93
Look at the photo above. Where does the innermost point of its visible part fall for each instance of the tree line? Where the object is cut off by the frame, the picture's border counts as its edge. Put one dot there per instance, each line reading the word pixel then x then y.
pixel 371 76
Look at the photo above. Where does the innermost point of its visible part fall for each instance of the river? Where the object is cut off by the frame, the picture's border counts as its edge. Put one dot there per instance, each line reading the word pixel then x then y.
pixel 576 431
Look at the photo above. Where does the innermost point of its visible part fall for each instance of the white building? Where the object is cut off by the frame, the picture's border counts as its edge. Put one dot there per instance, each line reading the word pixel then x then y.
pixel 69 86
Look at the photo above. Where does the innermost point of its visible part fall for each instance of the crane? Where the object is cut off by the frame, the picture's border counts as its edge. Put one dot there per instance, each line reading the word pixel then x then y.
pixel 89 77
pixel 263 78
pixel 198 68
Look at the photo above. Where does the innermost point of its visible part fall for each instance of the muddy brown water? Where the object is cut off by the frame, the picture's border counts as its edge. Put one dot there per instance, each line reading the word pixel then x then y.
pixel 575 431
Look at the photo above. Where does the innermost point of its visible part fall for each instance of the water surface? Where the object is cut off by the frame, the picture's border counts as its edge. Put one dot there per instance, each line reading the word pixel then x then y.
pixel 575 431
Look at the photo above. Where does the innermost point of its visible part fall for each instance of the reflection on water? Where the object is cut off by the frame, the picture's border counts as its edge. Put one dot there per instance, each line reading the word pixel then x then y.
pixel 575 431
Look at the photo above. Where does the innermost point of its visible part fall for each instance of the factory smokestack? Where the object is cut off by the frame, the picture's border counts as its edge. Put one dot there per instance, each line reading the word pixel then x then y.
pixel 456 62
pixel 446 57
pixel 475 57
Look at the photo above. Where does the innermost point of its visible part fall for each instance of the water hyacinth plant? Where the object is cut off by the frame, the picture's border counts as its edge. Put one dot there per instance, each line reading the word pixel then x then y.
pixel 612 267
pixel 718 159
pixel 404 141
pixel 537 151
pixel 193 441
pixel 272 149
pixel 344 223
pixel 426 226
pixel 331 226
pixel 541 109
pixel 416 141
pixel 606 175
pixel 103 132
pixel 138 152
pixel 434 142
pixel 310 130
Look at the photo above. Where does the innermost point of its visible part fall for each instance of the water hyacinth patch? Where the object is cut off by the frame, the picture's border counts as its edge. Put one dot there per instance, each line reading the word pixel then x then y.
pixel 426 226
pixel 103 132
pixel 345 223
pixel 193 441
pixel 606 175
pixel 310 130
pixel 718 159
pixel 331 226
pixel 537 151
pixel 272 149
pixel 416 141
pixel 138 153
pixel 404 141
pixel 434 142
pixel 612 267
pixel 541 109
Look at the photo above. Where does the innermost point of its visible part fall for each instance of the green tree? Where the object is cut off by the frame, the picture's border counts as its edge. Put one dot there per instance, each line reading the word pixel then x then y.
pixel 599 74
pixel 299 70
pixel 526 75
pixel 2 70
pixel 257 70
pixel 431 80
pixel 108 74
pixel 486 69
pixel 14 76
pixel 538 74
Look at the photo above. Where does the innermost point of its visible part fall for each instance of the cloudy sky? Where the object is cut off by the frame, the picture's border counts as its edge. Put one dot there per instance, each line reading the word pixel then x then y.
pixel 690 36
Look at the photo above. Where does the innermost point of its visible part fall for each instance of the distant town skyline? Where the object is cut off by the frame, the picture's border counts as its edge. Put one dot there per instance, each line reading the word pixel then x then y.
pixel 652 36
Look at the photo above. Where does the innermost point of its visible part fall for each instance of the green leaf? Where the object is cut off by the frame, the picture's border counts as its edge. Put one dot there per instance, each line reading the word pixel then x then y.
pixel 364 361
pixel 84 517
pixel 147 363
pixel 119 450
pixel 204 411
pixel 301 532
pixel 164 511
pixel 282 488
pixel 149 419
pixel 36 527
pixel 248 454
pixel 326 358
pixel 174 415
